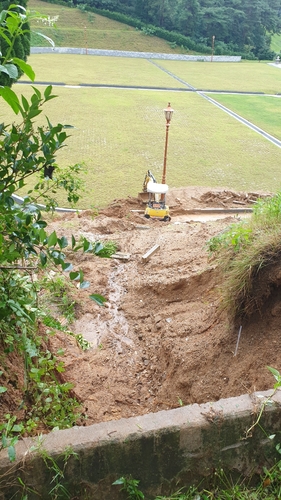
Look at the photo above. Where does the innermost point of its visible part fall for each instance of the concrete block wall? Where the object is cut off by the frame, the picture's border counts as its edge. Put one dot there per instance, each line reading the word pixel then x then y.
pixel 140 55
pixel 164 450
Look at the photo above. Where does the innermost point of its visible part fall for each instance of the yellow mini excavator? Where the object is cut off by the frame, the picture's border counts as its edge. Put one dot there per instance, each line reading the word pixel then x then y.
pixel 156 207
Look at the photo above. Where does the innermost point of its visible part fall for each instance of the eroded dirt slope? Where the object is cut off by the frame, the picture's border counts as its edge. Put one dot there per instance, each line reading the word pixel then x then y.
pixel 161 339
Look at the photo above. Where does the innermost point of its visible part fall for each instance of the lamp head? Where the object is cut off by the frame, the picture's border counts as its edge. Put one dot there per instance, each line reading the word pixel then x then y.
pixel 168 113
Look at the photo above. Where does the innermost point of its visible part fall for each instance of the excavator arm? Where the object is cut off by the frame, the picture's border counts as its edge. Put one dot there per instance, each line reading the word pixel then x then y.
pixel 149 177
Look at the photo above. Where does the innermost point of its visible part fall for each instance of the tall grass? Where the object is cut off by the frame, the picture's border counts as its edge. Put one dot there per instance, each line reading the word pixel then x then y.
pixel 248 253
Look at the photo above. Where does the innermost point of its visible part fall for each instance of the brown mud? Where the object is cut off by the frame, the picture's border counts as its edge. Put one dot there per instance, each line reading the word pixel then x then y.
pixel 161 340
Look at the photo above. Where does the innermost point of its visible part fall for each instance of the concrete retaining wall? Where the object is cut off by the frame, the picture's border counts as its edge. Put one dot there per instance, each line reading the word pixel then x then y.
pixel 141 55
pixel 164 450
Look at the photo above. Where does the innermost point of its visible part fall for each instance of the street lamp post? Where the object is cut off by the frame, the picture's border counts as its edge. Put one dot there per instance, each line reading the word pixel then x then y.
pixel 86 40
pixel 168 115
pixel 213 46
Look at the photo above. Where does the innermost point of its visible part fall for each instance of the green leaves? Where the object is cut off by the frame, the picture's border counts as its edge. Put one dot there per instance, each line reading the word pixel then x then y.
pixel 9 431
pixel 98 299
pixel 11 453
pixel 9 69
pixel 276 374
pixel 11 98
pixel 52 239
pixel 105 249
pixel 130 486
pixel 26 68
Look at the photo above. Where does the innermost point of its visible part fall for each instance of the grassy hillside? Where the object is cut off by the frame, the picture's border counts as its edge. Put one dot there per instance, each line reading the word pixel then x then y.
pixel 276 43
pixel 76 28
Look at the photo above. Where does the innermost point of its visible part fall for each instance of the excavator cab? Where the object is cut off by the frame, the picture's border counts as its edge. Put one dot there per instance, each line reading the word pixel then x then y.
pixel 156 207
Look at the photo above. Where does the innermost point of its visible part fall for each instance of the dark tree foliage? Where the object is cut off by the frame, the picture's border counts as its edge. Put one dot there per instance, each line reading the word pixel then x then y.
pixel 239 25
pixel 21 48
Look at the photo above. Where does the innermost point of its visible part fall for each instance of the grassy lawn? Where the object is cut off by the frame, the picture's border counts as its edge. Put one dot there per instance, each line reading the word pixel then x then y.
pixel 119 134
pixel 263 111
pixel 243 77
pixel 76 69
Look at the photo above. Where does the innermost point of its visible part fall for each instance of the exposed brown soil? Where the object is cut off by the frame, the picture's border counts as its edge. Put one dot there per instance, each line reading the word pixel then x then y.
pixel 161 339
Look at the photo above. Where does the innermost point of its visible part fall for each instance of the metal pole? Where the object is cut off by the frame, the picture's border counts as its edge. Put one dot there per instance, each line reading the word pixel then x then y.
pixel 86 40
pixel 165 159
pixel 168 115
pixel 213 45
pixel 165 154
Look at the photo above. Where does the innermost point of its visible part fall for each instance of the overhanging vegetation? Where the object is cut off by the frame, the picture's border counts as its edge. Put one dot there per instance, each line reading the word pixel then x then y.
pixel 248 253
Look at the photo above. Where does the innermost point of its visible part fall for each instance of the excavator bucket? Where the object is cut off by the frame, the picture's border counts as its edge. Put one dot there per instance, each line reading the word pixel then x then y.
pixel 144 197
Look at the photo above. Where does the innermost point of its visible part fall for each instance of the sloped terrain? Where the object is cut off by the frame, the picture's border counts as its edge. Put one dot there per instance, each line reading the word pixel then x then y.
pixel 161 340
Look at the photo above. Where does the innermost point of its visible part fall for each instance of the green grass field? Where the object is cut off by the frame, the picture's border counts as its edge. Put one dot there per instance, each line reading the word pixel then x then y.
pixel 120 133
pixel 76 69
pixel 263 111
pixel 244 77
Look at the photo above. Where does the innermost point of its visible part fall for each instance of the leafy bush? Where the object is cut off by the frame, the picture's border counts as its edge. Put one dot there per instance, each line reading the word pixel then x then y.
pixel 27 250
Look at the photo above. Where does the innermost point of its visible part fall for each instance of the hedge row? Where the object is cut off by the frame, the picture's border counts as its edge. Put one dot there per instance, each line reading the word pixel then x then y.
pixel 169 36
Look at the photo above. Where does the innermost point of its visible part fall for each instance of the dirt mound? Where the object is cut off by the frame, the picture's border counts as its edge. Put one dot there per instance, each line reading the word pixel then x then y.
pixel 161 339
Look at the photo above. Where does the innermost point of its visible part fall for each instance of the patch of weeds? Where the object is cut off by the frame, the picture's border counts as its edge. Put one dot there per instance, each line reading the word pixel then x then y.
pixel 95 211
pixel 130 486
pixel 58 487
pixel 233 238
pixel 268 209
pixel 242 252
pixel 105 248
pixel 271 480
pixel 223 487
pixel 10 432
pixel 180 401
pixel 81 341
pixel 147 30
pixel 91 17
pixel 55 324
pixel 59 292
pixel 100 248
pixel 48 398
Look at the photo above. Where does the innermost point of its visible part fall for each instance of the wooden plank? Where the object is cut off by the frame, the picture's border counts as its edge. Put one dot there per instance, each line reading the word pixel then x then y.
pixel 150 252
pixel 121 256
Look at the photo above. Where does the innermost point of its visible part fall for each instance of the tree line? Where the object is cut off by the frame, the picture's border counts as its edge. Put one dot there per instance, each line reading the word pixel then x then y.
pixel 237 26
